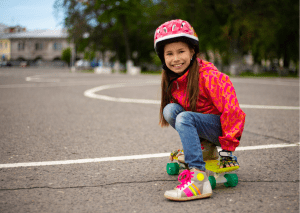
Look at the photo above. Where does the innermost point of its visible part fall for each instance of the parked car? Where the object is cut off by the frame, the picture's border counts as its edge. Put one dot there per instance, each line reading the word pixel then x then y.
pixel 94 64
pixel 23 64
pixel 82 63
pixel 3 63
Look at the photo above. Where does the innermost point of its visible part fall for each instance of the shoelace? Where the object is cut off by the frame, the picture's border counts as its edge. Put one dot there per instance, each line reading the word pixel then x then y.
pixel 185 178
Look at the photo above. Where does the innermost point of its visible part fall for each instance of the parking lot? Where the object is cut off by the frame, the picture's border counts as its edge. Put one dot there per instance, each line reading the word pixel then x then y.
pixel 81 142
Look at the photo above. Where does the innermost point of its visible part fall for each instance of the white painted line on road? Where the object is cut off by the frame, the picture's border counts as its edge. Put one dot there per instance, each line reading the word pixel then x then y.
pixel 247 106
pixel 271 81
pixel 132 157
pixel 93 160
pixel 270 146
pixel 37 78
pixel 91 93
pixel 49 84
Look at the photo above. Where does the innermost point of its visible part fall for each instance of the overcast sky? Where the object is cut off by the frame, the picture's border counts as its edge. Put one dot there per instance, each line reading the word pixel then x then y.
pixel 32 14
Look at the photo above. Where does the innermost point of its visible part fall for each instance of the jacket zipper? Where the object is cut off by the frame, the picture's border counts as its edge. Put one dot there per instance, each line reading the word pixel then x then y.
pixel 177 85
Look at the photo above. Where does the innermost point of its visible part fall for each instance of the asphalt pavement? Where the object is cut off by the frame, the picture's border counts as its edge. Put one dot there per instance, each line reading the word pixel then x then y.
pixel 60 132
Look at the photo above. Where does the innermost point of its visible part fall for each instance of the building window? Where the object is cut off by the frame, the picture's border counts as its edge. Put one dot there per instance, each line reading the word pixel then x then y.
pixel 57 46
pixel 38 46
pixel 21 46
pixel 4 45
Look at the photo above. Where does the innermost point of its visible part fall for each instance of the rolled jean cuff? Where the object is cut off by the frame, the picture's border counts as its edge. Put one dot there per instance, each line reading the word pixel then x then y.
pixel 201 169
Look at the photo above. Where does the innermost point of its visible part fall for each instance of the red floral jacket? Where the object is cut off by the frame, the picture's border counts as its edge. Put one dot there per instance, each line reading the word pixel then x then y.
pixel 216 96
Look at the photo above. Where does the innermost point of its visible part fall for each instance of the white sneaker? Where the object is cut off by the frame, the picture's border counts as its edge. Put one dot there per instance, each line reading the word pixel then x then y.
pixel 194 185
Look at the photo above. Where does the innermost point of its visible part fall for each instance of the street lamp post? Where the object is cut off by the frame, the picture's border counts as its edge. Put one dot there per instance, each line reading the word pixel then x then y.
pixel 73 68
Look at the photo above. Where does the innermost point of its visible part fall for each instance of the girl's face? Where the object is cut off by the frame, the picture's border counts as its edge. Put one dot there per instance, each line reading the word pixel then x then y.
pixel 178 56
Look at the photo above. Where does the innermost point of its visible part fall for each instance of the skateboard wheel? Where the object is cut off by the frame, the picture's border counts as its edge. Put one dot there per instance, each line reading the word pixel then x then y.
pixel 212 181
pixel 173 168
pixel 232 180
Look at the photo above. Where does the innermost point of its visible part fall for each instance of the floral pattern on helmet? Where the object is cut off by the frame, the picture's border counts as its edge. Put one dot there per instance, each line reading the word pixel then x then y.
pixel 173 29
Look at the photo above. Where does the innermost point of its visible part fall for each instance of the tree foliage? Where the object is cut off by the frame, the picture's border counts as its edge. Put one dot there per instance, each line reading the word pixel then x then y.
pixel 66 55
pixel 267 28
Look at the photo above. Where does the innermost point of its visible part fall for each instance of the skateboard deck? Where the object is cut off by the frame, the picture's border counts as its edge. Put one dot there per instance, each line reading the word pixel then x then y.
pixel 213 166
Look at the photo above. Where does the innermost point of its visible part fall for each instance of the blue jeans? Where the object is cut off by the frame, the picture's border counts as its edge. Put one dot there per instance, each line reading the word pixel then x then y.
pixel 192 126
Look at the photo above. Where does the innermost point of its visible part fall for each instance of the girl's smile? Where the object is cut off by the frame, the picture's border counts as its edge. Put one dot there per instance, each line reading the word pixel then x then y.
pixel 178 56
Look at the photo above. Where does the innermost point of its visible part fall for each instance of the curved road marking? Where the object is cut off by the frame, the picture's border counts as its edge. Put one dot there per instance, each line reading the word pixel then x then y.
pixel 132 157
pixel 91 93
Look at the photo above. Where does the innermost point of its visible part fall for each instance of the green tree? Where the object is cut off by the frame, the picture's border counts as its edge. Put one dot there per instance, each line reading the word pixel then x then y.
pixel 112 25
pixel 89 55
pixel 267 28
pixel 66 55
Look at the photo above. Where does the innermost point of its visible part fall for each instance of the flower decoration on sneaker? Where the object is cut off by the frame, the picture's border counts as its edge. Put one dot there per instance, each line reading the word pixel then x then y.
pixel 185 178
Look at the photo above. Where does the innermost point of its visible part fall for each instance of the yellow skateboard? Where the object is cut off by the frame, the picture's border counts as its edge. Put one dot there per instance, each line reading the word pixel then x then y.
pixel 216 175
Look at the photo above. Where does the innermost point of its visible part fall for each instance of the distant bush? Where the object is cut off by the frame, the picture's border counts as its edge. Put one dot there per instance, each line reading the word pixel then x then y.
pixel 66 55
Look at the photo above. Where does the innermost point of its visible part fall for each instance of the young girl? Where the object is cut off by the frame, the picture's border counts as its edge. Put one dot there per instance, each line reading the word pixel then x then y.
pixel 200 103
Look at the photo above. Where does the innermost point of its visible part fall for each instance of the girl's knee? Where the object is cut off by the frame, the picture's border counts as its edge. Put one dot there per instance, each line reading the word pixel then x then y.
pixel 184 118
pixel 171 111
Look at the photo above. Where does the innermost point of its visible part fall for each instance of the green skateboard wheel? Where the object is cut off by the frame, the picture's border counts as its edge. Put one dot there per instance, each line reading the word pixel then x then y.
pixel 212 181
pixel 173 168
pixel 232 180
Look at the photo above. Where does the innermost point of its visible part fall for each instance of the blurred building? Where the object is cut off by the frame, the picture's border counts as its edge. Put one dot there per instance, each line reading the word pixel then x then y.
pixel 17 44
pixel 16 29
pixel 2 28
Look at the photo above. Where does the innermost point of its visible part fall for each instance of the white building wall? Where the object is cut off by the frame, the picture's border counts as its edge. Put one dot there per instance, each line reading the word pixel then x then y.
pixel 47 53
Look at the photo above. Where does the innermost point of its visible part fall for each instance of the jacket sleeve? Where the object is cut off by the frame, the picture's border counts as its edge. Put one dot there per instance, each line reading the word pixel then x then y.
pixel 223 97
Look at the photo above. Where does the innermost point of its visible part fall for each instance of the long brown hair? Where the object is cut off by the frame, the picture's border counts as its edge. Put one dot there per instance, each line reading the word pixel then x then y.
pixel 192 91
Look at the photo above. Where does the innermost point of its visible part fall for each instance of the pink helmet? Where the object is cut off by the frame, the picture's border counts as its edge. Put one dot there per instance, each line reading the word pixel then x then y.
pixel 172 31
